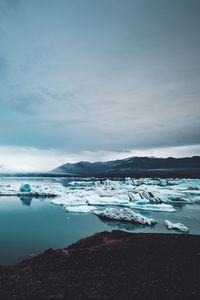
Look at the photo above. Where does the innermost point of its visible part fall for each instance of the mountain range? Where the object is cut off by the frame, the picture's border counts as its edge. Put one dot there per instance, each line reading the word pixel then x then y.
pixel 135 166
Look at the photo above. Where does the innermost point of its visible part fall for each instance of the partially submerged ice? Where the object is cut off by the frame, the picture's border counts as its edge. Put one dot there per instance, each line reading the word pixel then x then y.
pixel 25 187
pixel 176 226
pixel 124 215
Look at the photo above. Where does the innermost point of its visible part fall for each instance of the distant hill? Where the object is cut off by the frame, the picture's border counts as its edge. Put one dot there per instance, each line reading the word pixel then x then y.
pixel 135 166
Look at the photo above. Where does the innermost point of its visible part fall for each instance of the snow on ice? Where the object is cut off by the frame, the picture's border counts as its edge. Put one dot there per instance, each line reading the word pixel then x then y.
pixel 120 197
pixel 125 215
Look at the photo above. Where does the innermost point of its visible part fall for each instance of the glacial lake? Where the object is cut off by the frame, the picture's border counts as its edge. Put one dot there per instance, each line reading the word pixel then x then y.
pixel 28 226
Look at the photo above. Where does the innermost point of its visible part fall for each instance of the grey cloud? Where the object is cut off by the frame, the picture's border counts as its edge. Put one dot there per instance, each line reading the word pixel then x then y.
pixel 100 75
pixel 26 104
pixel 8 8
pixel 3 67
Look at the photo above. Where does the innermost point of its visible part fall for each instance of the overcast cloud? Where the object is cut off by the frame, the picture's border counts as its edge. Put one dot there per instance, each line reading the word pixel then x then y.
pixel 95 79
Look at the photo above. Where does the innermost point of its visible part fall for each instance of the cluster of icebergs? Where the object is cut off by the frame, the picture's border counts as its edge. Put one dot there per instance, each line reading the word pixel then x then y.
pixel 119 197
pixel 128 216
pixel 142 194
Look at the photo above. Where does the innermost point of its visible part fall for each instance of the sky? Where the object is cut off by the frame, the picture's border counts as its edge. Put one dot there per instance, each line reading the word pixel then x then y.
pixel 97 80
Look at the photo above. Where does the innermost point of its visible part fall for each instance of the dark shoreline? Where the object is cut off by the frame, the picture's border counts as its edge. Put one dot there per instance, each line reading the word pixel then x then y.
pixel 116 265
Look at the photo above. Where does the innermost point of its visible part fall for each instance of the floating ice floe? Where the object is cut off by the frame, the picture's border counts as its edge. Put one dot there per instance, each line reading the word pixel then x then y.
pixel 176 226
pixel 143 193
pixel 80 208
pixel 125 215
pixel 97 200
pixel 145 205
pixel 59 201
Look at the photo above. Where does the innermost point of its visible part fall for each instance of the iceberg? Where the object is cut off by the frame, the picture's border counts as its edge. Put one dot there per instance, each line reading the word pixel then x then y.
pixel 25 187
pixel 124 215
pixel 134 197
pixel 143 193
pixel 176 226
pixel 151 197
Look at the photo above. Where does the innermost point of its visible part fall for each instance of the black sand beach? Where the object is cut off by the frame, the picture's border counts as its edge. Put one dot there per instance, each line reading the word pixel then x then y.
pixel 116 265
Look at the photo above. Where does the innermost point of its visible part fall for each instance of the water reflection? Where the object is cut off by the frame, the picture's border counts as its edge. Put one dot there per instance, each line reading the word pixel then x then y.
pixel 123 225
pixel 26 200
pixel 179 205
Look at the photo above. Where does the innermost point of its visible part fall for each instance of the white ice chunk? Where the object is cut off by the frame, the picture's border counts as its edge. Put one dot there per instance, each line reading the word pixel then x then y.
pixel 125 215
pixel 81 208
pixel 134 197
pixel 59 201
pixel 144 205
pixel 96 200
pixel 179 226
pixel 163 182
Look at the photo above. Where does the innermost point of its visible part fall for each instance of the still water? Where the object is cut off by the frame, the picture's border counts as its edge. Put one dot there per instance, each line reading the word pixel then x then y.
pixel 28 226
